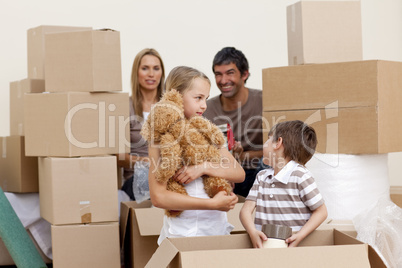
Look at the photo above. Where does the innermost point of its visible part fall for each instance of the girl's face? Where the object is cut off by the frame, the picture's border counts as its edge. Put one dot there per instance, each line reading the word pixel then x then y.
pixel 195 98
pixel 149 72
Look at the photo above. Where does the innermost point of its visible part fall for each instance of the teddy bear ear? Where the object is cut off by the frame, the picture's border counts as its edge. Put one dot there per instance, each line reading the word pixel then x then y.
pixel 174 96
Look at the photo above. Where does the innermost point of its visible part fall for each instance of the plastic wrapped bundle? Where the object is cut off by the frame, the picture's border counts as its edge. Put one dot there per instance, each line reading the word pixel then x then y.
pixel 140 181
pixel 381 227
pixel 350 184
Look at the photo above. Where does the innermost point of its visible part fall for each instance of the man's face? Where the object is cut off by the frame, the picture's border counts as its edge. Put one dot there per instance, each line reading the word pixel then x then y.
pixel 229 79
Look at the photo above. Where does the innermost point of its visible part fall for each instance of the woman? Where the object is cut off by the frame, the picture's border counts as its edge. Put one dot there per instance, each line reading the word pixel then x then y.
pixel 147 78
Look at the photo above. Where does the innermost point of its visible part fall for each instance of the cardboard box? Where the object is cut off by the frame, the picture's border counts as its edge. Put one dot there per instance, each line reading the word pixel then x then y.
pixel 83 61
pixel 396 195
pixel 324 32
pixel 351 105
pixel 86 245
pixel 345 226
pixel 18 173
pixel 322 248
pixel 36 47
pixel 140 226
pixel 78 190
pixel 17 91
pixel 70 124
pixel 6 259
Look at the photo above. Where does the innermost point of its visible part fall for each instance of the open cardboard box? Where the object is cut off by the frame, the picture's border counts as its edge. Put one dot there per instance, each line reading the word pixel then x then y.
pixel 345 226
pixel 140 226
pixel 322 248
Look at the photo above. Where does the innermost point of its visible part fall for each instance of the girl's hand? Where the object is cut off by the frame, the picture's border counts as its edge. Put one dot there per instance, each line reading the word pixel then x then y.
pixel 225 202
pixel 189 173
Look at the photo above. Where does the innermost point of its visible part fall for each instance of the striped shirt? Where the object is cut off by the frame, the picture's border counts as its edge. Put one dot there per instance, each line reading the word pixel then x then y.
pixel 288 198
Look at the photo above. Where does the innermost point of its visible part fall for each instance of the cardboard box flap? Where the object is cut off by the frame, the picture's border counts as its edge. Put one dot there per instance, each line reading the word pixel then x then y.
pixel 125 212
pixel 163 255
pixel 321 237
pixel 375 259
pixel 329 257
pixel 341 238
pixel 149 220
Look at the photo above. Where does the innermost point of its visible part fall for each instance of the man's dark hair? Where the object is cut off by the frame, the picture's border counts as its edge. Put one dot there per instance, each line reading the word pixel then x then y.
pixel 228 55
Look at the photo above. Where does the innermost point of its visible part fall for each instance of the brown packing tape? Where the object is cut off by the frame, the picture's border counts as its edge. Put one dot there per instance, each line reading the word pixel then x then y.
pixel 85 206
pixel 276 231
pixel 85 211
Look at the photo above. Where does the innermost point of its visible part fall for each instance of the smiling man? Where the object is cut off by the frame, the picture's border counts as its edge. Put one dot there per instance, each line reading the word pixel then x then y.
pixel 241 107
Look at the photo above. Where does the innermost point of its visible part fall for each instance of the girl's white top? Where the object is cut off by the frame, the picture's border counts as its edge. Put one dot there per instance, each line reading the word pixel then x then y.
pixel 195 222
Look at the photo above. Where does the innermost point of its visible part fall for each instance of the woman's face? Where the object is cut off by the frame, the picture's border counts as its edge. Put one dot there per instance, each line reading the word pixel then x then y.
pixel 149 73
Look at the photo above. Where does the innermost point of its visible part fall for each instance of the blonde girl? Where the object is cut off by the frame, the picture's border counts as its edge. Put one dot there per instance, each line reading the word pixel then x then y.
pixel 201 215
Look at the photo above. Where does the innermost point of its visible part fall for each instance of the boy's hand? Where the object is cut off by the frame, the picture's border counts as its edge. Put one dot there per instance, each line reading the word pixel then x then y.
pixel 293 241
pixel 257 238
pixel 225 202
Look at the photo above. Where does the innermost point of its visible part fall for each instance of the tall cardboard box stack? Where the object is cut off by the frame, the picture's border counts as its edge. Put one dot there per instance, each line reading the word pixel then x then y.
pixel 350 102
pixel 19 172
pixel 75 128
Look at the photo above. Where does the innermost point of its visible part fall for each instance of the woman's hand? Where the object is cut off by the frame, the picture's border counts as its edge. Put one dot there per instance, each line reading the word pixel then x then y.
pixel 189 173
pixel 224 202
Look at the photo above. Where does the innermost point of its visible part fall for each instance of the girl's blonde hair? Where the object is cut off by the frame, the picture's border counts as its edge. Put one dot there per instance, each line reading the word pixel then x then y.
pixel 181 78
pixel 135 85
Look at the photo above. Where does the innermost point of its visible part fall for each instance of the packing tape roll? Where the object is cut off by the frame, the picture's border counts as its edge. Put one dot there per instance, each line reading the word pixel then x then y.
pixel 350 184
pixel 15 237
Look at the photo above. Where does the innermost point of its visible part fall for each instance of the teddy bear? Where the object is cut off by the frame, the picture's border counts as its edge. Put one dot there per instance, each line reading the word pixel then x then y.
pixel 183 142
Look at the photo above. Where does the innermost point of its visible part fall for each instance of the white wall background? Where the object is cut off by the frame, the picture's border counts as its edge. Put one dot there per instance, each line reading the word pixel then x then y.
pixel 186 33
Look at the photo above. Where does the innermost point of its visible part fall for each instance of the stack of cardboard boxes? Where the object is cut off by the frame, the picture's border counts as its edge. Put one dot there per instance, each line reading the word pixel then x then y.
pixel 18 172
pixel 76 126
pixel 351 103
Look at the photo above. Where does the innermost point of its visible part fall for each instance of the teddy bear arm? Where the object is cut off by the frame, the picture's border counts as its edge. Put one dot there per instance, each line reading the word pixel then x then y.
pixel 213 185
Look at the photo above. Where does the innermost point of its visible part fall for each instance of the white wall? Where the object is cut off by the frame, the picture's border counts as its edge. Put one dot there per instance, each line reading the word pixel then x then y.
pixel 186 33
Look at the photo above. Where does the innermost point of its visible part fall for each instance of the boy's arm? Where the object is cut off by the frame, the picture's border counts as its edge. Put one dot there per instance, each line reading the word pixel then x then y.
pixel 246 218
pixel 317 217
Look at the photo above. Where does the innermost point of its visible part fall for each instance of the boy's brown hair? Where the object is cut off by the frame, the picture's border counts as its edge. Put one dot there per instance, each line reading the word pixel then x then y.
pixel 299 140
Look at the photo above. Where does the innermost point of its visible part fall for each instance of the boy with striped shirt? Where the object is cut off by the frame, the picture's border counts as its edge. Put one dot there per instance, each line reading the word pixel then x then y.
pixel 285 193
